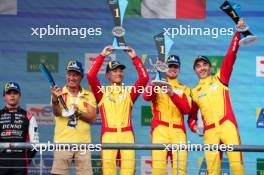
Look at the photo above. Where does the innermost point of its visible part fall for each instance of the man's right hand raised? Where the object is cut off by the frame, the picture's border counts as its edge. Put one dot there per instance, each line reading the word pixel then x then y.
pixel 107 51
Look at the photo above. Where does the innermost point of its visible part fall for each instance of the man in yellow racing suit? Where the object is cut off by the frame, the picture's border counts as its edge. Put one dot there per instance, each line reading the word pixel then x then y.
pixel 167 125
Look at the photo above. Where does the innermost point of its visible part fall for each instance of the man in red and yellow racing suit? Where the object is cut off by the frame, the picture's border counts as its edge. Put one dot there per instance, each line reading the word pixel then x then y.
pixel 211 96
pixel 115 103
pixel 167 125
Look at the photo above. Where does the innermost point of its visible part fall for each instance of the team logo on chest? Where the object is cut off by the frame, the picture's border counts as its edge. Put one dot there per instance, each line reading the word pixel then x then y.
pixel 111 99
pixel 213 87
pixel 201 95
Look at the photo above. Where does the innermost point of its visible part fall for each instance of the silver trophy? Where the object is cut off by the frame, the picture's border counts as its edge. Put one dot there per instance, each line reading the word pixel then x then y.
pixel 163 44
pixel 118 8
pixel 233 10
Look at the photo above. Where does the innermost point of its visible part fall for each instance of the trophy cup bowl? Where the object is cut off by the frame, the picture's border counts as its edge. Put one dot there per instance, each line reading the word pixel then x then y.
pixel 68 113
pixel 161 68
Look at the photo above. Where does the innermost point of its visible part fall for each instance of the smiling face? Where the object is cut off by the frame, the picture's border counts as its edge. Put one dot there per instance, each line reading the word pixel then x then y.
pixel 73 79
pixel 173 71
pixel 202 69
pixel 115 76
pixel 12 98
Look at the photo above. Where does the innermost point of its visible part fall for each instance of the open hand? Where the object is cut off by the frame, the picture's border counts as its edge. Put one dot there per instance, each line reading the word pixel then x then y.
pixel 131 52
pixel 107 50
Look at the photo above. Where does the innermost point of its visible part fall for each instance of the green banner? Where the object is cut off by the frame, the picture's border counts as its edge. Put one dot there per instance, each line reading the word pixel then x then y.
pixel 260 166
pixel 133 8
pixel 97 164
pixel 50 59
pixel 146 115
pixel 216 62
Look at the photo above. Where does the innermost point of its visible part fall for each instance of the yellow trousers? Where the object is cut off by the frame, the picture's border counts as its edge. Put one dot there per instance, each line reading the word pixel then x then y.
pixel 226 133
pixel 109 157
pixel 168 135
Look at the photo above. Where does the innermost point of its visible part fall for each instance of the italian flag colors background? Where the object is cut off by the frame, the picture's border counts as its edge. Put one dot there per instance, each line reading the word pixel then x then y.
pixel 180 9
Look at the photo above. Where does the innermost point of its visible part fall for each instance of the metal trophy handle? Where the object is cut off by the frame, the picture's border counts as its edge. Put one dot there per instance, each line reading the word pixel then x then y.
pixel 70 113
pixel 118 9
pixel 163 45
pixel 233 11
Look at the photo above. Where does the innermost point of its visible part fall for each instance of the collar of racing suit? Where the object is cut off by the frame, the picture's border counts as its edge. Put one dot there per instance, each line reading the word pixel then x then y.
pixel 206 80
pixel 173 81
pixel 12 109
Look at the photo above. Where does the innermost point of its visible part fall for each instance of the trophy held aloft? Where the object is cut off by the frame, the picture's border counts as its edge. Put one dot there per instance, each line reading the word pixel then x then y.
pixel 233 11
pixel 163 44
pixel 118 9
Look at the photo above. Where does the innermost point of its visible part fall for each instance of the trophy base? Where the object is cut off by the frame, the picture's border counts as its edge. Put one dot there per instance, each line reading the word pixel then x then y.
pixel 160 83
pixel 242 28
pixel 200 131
pixel 125 48
pixel 68 113
pixel 248 40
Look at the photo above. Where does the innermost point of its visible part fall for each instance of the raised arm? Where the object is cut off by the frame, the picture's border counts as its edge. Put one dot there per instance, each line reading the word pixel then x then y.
pixel 229 60
pixel 142 75
pixel 92 73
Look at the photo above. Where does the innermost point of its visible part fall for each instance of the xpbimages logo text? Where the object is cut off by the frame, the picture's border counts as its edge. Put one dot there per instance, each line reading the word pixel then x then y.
pixel 117 89
pixel 83 148
pixel 57 30
pixel 198 147
pixel 188 30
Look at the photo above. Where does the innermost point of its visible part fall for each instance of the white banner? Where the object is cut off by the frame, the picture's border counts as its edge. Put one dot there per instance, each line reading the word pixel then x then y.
pixel 8 7
pixel 90 59
pixel 42 112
